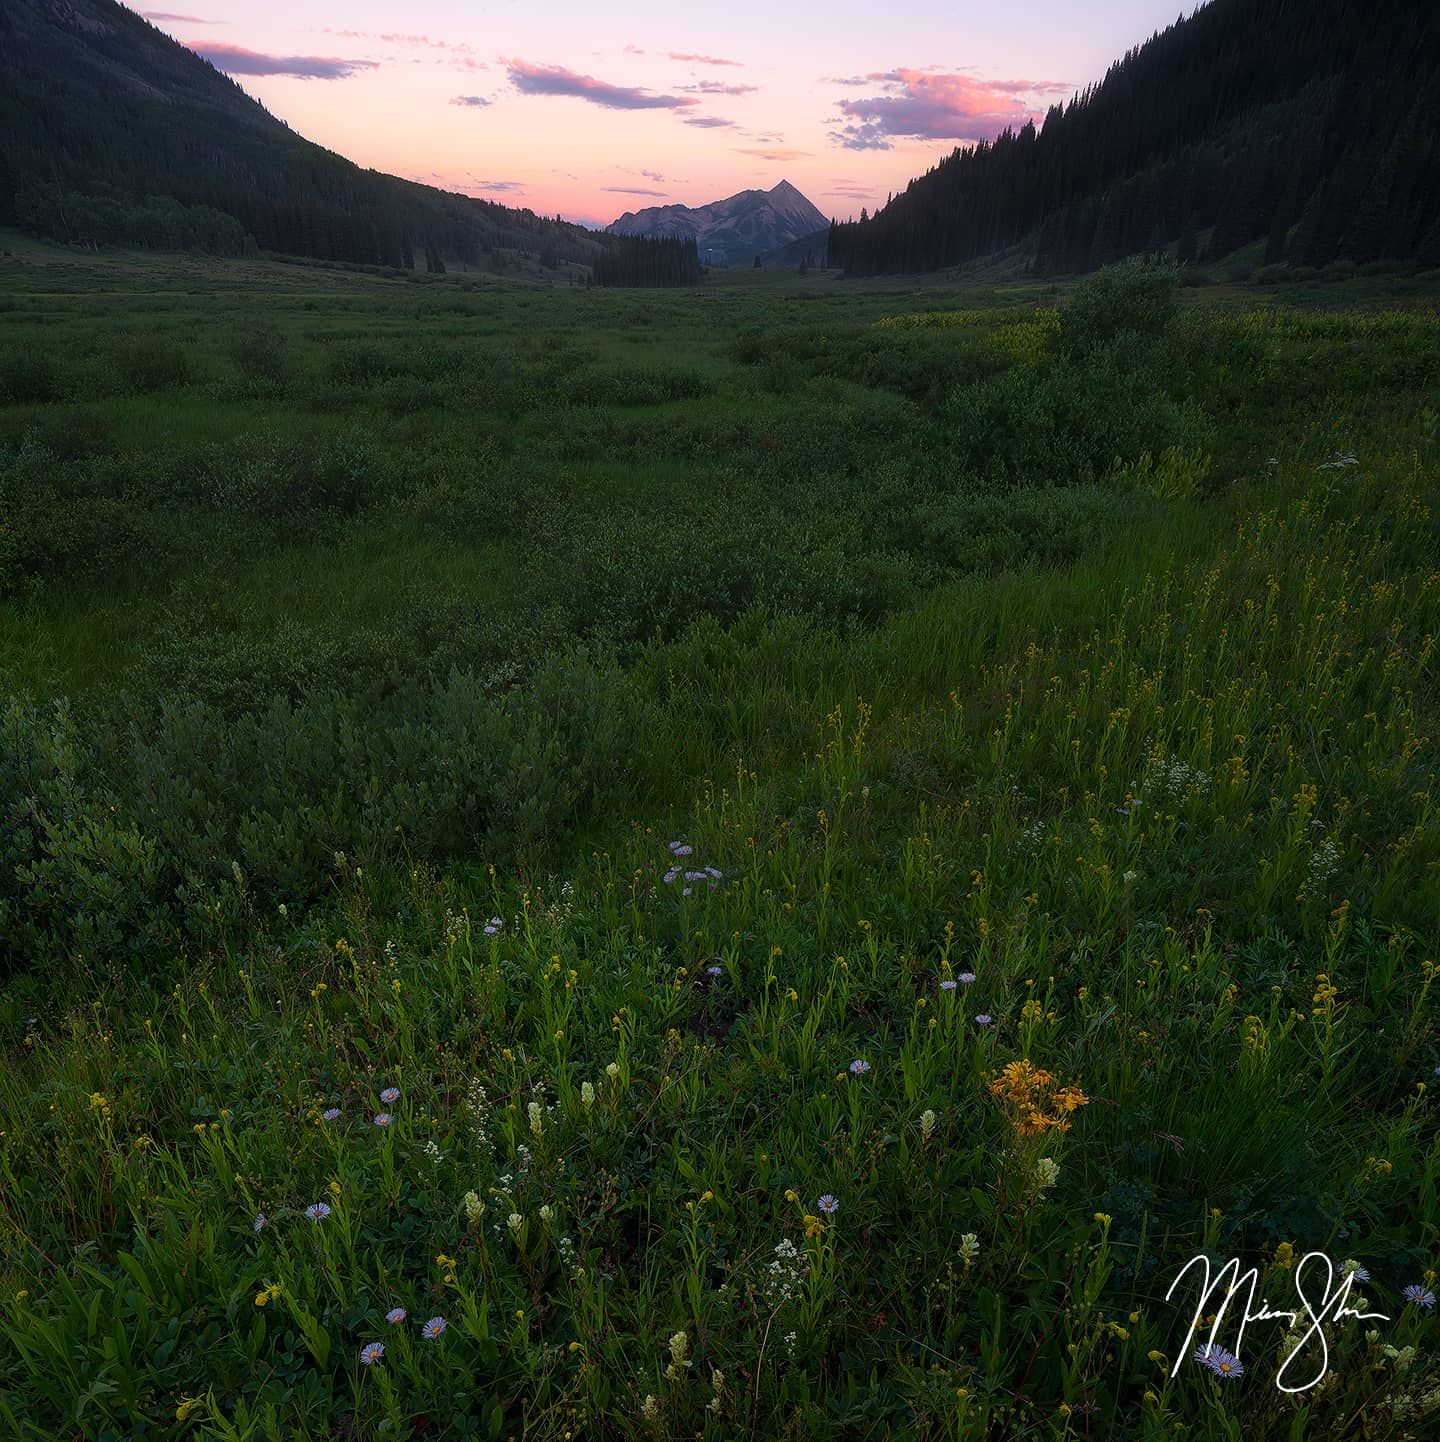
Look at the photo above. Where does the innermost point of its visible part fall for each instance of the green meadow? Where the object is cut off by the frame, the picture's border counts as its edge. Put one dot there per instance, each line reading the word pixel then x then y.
pixel 766 861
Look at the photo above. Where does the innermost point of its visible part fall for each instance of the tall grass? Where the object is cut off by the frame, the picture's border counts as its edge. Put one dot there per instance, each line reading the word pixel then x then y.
pixel 812 1029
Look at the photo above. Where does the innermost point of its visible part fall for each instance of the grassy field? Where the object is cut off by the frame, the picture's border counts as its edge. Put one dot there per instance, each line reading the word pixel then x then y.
pixel 779 858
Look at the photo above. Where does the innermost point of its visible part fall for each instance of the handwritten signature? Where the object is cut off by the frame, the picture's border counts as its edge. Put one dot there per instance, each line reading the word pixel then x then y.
pixel 1331 1304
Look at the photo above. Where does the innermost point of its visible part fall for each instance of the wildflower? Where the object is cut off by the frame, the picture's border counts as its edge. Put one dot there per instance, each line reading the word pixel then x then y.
pixel 1285 1255
pixel 1219 1361
pixel 948 984
pixel 859 1067
pixel 537 1125
pixel 371 1353
pixel 1419 1296
pixel 717 1381
pixel 332 1115
pixel 969 1248
pixel 1351 1268
pixel 494 926
pixel 395 1316
pixel 672 876
pixel 966 977
pixel 587 1095
pixel 261 1221
pixel 829 1205
pixel 612 1071
pixel 546 1213
pixel 186 1407
pixel 927 1124
pixel 679 848
pixel 433 1327
pixel 679 1345
pixel 651 1409
pixel 474 1207
pixel 515 1221
pixel 317 1212
pixel 390 1094
pixel 984 1019
pixel 383 1119
pixel 717 970
pixel 1046 1173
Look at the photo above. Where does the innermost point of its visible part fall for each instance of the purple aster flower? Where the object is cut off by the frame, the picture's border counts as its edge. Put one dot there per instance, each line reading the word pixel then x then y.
pixel 332 1115
pixel 383 1119
pixel 714 970
pixel 948 984
pixel 679 848
pixel 395 1315
pixel 967 977
pixel 1419 1296
pixel 317 1212
pixel 859 1066
pixel 371 1353
pixel 1219 1361
pixel 672 875
pixel 494 926
pixel 828 1204
pixel 390 1094
pixel 984 1019
pixel 433 1327
pixel 684 891
pixel 715 874
pixel 261 1221
pixel 695 875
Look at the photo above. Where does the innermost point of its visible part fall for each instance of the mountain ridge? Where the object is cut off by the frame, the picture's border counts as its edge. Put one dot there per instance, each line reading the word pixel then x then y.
pixel 732 230
pixel 1314 127
pixel 96 101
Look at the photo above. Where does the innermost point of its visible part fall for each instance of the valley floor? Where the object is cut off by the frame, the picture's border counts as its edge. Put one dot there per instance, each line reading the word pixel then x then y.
pixel 771 861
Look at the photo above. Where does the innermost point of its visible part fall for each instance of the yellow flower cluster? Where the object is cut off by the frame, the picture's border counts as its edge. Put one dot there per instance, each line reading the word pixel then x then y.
pixel 1035 1099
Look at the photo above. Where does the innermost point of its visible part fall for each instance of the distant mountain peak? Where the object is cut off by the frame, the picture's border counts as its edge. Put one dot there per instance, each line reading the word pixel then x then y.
pixel 730 231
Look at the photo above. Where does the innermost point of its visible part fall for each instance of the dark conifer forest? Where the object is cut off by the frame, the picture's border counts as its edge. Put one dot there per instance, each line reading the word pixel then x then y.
pixel 1313 125
pixel 642 261
pixel 96 102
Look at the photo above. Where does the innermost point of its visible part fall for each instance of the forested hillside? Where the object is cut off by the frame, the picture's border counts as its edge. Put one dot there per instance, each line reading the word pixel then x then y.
pixel 1311 124
pixel 97 103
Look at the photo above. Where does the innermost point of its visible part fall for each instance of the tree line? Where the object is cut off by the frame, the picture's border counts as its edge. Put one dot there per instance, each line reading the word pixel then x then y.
pixel 155 222
pixel 1311 124
pixel 644 261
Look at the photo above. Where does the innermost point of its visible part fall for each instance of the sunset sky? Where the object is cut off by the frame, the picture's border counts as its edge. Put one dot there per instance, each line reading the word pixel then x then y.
pixel 590 110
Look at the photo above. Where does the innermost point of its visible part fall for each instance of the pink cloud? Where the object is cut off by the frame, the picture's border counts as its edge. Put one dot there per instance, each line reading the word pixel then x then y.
pixel 710 122
pixel 236 60
pixel 426 42
pixel 929 104
pixel 715 87
pixel 774 154
pixel 631 190
pixel 702 59
pixel 531 79
pixel 164 15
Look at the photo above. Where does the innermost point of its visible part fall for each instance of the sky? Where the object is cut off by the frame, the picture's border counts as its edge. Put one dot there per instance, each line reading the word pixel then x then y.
pixel 589 110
